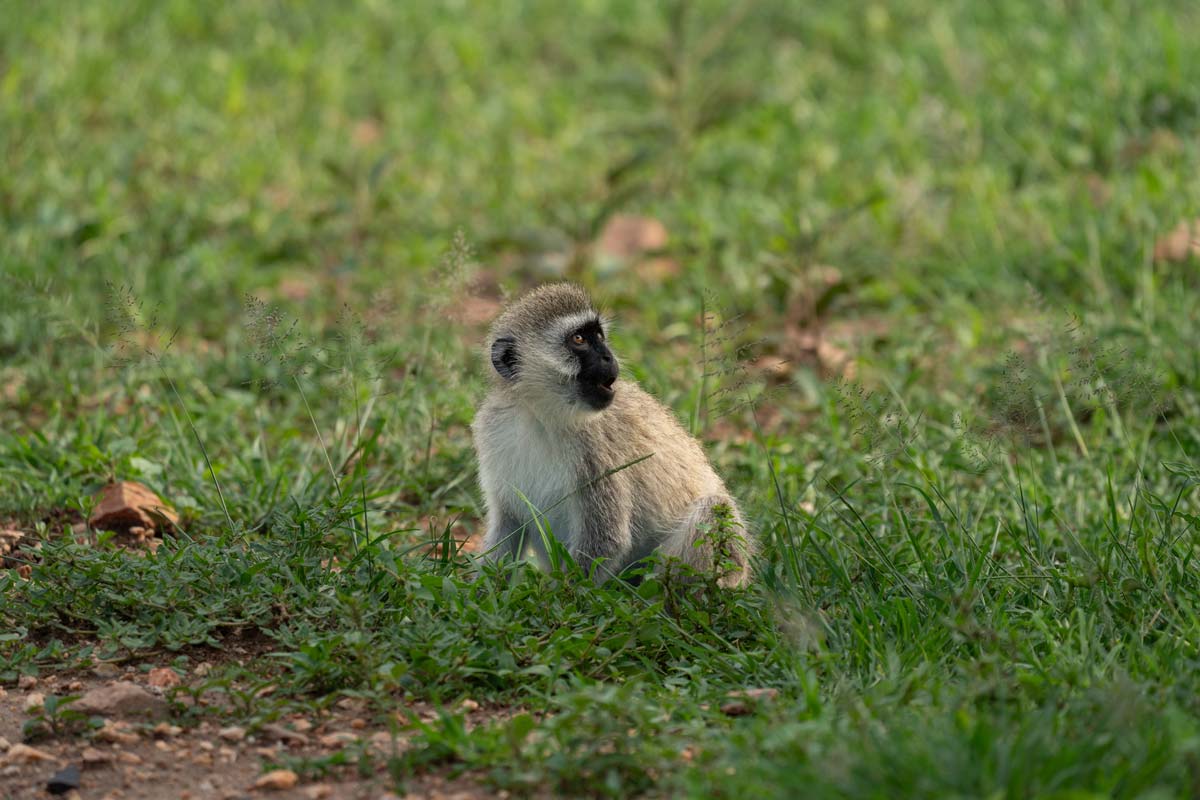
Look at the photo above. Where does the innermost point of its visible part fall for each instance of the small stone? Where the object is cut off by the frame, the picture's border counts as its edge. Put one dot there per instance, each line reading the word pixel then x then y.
pixel 4 744
pixel 277 780
pixel 163 678
pixel 129 758
pixel 24 754
pixel 382 742
pixel 233 733
pixel 106 670
pixel 122 699
pixel 74 686
pixel 91 756
pixel 115 734
pixel 302 725
pixel 34 702
pixel 165 730
pixel 64 780
pixel 358 724
pixel 26 682
pixel 320 791
pixel 337 739
pixel 284 734
pixel 202 669
pixel 469 705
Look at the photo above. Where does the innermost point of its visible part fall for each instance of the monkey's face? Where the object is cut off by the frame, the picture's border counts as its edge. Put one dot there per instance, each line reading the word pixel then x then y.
pixel 596 374
pixel 565 367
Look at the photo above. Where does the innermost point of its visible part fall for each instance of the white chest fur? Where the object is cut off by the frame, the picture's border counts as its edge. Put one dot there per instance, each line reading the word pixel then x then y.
pixel 524 471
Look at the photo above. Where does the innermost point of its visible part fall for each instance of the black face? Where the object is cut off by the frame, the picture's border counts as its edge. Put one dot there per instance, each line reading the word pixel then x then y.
pixel 597 365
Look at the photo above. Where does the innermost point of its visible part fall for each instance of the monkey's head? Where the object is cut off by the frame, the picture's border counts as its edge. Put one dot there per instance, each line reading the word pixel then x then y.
pixel 549 348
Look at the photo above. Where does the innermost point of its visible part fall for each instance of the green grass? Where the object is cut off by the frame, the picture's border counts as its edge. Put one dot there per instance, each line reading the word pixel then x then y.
pixel 979 573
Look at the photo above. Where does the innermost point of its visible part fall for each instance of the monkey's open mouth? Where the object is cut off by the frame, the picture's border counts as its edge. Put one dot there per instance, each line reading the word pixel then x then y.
pixel 598 395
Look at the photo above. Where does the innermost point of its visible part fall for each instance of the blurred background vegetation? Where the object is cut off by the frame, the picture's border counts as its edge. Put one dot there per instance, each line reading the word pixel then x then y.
pixel 914 269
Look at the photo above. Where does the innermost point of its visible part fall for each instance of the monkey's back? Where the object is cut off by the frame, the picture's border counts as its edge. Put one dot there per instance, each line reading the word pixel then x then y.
pixel 677 472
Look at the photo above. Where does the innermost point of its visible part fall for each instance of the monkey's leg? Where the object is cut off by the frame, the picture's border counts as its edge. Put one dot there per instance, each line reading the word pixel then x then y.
pixel 506 535
pixel 605 535
pixel 712 537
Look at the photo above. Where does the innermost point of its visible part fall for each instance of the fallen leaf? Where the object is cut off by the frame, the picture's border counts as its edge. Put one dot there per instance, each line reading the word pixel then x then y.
pixel 126 505
pixel 9 539
pixel 1181 243
pixel 628 236
pixel 744 701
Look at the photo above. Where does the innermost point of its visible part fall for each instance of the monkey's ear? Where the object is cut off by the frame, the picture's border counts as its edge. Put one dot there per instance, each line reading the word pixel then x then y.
pixel 504 357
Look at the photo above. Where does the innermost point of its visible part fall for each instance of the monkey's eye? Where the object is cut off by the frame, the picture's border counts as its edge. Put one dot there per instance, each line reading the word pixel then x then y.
pixel 577 339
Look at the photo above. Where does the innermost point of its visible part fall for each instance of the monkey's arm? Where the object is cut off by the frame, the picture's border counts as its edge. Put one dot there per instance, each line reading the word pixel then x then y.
pixel 605 527
pixel 506 534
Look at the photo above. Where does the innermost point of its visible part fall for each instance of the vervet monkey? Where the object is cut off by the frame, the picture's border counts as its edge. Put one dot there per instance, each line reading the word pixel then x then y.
pixel 555 436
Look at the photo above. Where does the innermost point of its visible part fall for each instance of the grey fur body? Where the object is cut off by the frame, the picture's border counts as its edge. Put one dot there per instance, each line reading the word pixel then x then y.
pixel 547 456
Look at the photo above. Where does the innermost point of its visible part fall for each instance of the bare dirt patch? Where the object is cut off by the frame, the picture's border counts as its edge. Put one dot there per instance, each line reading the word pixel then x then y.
pixel 141 759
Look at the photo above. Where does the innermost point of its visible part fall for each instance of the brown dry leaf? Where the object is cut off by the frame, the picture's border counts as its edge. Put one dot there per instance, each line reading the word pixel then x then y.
pixel 807 346
pixel 1181 243
pixel 657 270
pixel 9 539
pixel 365 132
pixel 127 505
pixel 297 288
pixel 743 701
pixel 628 236
pixel 474 310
